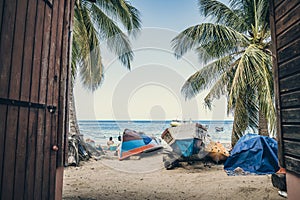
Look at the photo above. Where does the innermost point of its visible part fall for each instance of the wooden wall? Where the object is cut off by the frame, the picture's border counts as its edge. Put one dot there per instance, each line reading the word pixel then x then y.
pixel 34 77
pixel 285 26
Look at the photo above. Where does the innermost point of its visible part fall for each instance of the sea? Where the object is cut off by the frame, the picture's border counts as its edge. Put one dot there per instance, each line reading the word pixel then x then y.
pixel 101 130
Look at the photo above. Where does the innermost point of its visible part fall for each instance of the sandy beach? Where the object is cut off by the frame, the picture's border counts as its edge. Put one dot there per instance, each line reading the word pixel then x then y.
pixel 146 178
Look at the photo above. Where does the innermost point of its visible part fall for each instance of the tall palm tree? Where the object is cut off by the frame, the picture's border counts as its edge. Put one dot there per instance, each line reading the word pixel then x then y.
pixel 236 51
pixel 100 22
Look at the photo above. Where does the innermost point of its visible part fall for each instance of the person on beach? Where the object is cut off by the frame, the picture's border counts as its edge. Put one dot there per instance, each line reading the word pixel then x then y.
pixel 110 142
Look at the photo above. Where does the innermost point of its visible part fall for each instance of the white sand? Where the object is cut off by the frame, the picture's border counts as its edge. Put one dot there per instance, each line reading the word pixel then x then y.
pixel 147 179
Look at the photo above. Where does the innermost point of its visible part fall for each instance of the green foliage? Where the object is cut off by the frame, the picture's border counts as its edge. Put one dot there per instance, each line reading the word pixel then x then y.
pixel 237 58
pixel 98 22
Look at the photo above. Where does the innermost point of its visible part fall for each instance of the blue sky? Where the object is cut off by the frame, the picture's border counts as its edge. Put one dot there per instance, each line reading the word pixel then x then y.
pixel 151 90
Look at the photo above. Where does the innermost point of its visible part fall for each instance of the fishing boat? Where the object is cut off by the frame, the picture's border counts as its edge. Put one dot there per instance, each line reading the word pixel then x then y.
pixel 219 129
pixel 134 143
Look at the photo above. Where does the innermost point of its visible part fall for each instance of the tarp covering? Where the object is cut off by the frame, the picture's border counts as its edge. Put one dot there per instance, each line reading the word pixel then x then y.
pixel 254 154
pixel 136 142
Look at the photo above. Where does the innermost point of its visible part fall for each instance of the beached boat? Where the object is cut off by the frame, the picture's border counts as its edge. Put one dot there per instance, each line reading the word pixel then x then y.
pixel 216 151
pixel 135 143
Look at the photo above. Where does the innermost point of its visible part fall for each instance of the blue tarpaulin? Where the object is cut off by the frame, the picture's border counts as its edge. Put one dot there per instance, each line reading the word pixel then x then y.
pixel 254 154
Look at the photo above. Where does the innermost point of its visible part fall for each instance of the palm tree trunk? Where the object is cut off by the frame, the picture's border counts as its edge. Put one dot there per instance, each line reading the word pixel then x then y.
pixel 262 125
pixel 74 128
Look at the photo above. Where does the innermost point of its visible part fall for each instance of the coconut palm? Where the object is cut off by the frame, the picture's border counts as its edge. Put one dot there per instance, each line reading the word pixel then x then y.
pixel 100 22
pixel 235 49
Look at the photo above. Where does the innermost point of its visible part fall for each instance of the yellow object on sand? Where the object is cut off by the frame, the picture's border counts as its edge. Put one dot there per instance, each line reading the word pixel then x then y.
pixel 216 151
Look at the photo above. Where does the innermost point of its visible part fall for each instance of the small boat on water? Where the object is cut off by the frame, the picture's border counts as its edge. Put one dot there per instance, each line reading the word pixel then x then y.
pixel 219 129
pixel 175 123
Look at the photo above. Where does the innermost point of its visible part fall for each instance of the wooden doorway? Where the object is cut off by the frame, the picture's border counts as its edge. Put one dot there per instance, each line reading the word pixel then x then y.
pixel 35 40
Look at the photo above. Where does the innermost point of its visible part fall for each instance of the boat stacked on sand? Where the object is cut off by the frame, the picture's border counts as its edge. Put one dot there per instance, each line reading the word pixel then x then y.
pixel 191 142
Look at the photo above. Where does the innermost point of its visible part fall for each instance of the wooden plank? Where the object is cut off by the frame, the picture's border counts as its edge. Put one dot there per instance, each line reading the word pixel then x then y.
pixel 3 114
pixel 6 45
pixel 290 84
pixel 278 2
pixel 289 52
pixel 45 55
pixel 28 50
pixel 9 153
pixel 291 131
pixel 46 159
pixel 36 70
pixel 290 100
pixel 284 8
pixel 1 13
pixel 30 153
pixel 39 155
pixel 43 97
pixel 290 115
pixel 289 68
pixel 64 153
pixel 17 53
pixel 276 84
pixel 286 21
pixel 58 73
pixel 291 148
pixel 292 164
pixel 20 172
pixel 289 35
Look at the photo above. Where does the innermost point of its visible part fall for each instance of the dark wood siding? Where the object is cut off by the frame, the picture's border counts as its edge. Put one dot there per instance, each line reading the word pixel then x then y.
pixel 35 43
pixel 285 27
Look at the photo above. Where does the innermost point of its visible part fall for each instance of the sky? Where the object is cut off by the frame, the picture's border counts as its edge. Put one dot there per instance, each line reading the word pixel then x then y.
pixel 151 89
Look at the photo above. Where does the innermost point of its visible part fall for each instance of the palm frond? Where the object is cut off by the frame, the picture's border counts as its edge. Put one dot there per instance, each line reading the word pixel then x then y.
pixel 205 77
pixel 204 36
pixel 221 13
pixel 116 40
pixel 88 45
pixel 122 11
pixel 219 89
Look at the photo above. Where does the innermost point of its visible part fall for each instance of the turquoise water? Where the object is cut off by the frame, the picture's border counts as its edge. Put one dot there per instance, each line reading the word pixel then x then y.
pixel 100 130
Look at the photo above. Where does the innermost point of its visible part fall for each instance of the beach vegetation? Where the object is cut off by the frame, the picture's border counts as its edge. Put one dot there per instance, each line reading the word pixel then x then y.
pixel 235 49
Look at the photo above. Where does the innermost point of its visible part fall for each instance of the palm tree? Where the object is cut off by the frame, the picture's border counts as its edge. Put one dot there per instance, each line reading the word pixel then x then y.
pixel 98 22
pixel 235 49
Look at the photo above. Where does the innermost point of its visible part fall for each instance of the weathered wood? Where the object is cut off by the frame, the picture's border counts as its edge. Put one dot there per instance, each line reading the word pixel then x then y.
pixel 290 115
pixel 290 84
pixel 38 36
pixel 292 164
pixel 288 36
pixel 28 51
pixel 284 8
pixel 278 2
pixel 290 100
pixel 31 152
pixel 286 21
pixel 9 153
pixel 17 53
pixel 19 182
pixel 3 115
pixel 6 45
pixel 289 68
pixel 276 84
pixel 34 72
pixel 291 131
pixel 289 52
pixel 39 150
pixel 1 13
pixel 291 148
